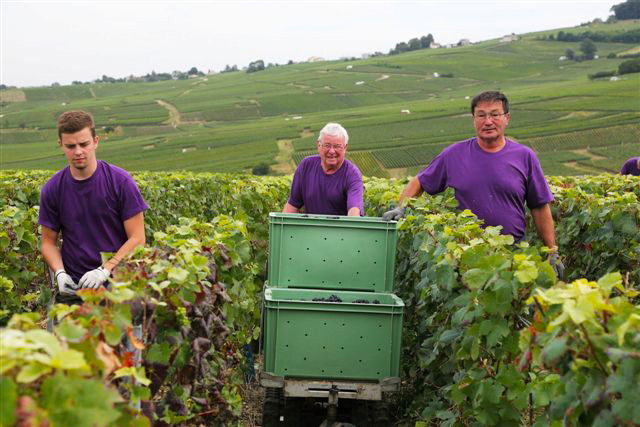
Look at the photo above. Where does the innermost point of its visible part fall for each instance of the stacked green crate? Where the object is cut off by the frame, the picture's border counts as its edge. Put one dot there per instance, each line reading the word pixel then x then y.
pixel 329 312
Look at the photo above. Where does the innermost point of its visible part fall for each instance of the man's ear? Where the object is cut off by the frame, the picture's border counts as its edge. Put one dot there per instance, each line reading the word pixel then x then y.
pixel 96 139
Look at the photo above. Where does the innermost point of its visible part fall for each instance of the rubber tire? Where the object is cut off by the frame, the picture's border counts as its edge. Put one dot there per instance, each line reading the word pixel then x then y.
pixel 380 415
pixel 272 407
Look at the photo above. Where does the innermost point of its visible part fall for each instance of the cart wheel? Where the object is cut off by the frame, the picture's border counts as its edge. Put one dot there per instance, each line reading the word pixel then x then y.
pixel 271 407
pixel 293 407
pixel 360 413
pixel 380 414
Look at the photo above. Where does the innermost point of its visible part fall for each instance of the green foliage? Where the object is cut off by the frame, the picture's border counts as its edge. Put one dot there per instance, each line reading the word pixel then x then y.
pixel 630 9
pixel 597 220
pixel 467 353
pixel 601 74
pixel 629 66
pixel 21 268
pixel 195 296
pixel 582 352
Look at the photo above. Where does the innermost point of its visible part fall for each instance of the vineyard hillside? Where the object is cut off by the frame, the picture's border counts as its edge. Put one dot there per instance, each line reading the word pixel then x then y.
pixel 400 110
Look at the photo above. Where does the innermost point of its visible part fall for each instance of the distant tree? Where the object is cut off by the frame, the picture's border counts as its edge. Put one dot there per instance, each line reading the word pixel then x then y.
pixel 255 66
pixel 425 41
pixel 76 82
pixel 193 71
pixel 3 87
pixel 601 74
pixel 629 66
pixel 627 10
pixel 22 125
pixel 229 69
pixel 401 47
pixel 55 84
pixel 261 169
pixel 612 55
pixel 290 62
pixel 588 49
pixel 570 54
pixel 414 44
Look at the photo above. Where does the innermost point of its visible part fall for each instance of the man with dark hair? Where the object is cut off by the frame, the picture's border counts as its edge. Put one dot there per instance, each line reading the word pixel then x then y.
pixel 95 206
pixel 492 176
pixel 631 167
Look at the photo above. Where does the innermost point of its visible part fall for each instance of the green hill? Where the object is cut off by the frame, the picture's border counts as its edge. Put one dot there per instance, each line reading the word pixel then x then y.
pixel 231 122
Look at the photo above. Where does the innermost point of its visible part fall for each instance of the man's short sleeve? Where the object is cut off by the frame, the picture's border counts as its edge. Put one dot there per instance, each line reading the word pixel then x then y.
pixel 295 198
pixel 355 190
pixel 131 201
pixel 48 214
pixel 433 178
pixel 538 191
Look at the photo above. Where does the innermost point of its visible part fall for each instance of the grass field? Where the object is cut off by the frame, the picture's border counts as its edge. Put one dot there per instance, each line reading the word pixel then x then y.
pixel 232 122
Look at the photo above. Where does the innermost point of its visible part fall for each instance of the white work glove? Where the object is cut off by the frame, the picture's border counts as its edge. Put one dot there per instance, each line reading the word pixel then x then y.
pixel 94 279
pixel 66 285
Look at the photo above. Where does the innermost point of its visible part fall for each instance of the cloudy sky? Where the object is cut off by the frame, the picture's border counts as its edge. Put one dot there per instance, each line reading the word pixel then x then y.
pixel 52 41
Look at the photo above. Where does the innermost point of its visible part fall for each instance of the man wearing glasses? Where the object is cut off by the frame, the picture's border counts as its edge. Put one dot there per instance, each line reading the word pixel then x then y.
pixel 492 176
pixel 327 183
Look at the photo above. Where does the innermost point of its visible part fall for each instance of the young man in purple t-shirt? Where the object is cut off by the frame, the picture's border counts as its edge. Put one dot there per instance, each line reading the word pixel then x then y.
pixel 97 207
pixel 492 176
pixel 631 167
pixel 327 183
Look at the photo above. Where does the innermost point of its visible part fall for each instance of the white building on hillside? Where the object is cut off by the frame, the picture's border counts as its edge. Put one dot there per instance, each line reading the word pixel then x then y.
pixel 509 38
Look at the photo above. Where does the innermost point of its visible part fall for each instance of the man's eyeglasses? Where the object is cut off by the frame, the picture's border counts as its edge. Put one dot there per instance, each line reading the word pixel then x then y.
pixel 336 147
pixel 492 116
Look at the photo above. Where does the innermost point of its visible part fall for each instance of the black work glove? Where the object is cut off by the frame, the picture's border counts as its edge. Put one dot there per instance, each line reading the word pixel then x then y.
pixel 394 214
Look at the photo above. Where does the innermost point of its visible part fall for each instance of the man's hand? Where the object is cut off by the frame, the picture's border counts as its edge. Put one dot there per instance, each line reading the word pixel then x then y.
pixel 65 283
pixel 394 214
pixel 556 263
pixel 94 279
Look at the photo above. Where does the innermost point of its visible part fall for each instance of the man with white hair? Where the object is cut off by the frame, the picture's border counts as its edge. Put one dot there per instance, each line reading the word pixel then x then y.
pixel 327 183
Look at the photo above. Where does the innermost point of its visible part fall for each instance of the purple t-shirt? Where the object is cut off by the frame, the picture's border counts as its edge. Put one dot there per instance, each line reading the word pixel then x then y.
pixel 494 186
pixel 90 214
pixel 631 167
pixel 321 193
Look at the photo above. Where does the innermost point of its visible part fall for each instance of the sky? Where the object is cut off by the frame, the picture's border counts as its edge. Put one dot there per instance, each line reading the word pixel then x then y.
pixel 42 42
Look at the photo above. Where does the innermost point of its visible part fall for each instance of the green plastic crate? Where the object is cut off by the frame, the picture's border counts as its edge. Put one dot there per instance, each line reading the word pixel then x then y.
pixel 325 340
pixel 331 252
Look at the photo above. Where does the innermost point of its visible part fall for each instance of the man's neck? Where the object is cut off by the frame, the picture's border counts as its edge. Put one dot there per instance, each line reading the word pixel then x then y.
pixel 85 173
pixel 493 145
pixel 332 170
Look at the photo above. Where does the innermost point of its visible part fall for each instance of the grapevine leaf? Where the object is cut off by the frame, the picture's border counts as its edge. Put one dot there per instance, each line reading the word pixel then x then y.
pixel 71 331
pixel 159 353
pixel 555 349
pixel 32 372
pixel 79 402
pixel 8 402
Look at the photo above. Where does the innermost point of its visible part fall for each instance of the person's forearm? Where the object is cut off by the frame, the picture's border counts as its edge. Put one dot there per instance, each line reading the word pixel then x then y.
pixel 543 221
pixel 290 209
pixel 412 189
pixel 354 211
pixel 51 254
pixel 125 249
